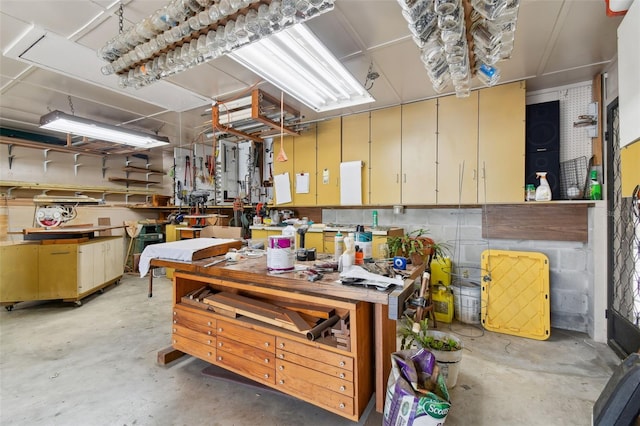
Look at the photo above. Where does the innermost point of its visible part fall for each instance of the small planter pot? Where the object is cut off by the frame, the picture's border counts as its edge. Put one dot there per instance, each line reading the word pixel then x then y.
pixel 448 361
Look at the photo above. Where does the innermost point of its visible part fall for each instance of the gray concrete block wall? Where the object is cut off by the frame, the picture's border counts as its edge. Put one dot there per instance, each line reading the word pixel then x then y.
pixel 571 273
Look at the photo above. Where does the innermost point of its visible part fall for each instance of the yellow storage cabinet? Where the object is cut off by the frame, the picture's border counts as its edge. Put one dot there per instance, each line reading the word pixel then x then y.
pixel 18 272
pixel 304 161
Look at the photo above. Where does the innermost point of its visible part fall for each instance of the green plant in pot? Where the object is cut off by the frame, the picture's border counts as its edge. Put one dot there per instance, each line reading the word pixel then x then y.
pixel 416 246
pixel 445 347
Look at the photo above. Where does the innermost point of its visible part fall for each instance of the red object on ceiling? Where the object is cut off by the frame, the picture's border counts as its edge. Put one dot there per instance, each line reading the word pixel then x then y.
pixel 617 7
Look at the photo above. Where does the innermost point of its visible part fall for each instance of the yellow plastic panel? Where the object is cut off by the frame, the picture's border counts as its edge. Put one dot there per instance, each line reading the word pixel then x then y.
pixel 515 297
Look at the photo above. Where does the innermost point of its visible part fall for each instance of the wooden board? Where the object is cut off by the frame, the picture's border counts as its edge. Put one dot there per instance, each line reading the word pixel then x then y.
pixel 537 221
pixel 216 250
pixel 311 310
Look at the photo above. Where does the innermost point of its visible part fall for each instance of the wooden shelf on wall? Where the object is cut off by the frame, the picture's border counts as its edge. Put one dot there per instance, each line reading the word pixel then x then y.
pixel 133 181
pixel 44 188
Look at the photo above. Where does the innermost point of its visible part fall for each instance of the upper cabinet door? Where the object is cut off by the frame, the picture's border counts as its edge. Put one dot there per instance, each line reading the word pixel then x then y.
pixel 457 149
pixel 328 166
pixel 304 162
pixel 419 150
pixel 355 146
pixel 280 167
pixel 386 131
pixel 501 143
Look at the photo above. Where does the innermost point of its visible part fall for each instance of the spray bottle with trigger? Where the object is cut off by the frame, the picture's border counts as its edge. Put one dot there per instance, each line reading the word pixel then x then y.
pixel 543 191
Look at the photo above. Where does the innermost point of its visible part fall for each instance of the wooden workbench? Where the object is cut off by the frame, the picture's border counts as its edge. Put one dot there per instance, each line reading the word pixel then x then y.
pixel 202 333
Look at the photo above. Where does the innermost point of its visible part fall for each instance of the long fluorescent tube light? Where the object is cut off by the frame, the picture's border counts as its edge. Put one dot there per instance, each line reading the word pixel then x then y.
pixel 61 122
pixel 297 62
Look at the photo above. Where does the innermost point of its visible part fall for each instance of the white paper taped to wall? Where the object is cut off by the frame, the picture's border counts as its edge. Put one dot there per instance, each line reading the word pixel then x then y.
pixel 351 183
pixel 283 188
pixel 302 183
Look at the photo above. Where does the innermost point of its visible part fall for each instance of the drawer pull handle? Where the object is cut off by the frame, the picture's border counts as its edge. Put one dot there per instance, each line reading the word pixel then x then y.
pixel 342 388
pixel 220 330
pixel 208 353
pixel 281 368
pixel 342 375
pixel 174 340
pixel 175 321
pixel 266 344
pixel 175 330
pixel 175 313
pixel 266 376
pixel 281 345
pixel 208 322
pixel 209 332
pixel 342 364
pixel 209 342
pixel 266 360
pixel 220 344
pixel 342 405
pixel 281 356
pixel 281 382
pixel 219 358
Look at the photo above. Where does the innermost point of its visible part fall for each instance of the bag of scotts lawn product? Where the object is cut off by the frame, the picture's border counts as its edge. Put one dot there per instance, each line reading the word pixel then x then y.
pixel 416 391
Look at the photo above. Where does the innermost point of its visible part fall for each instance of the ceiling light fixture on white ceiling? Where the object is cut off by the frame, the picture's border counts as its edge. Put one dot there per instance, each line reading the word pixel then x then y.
pixel 297 62
pixel 61 122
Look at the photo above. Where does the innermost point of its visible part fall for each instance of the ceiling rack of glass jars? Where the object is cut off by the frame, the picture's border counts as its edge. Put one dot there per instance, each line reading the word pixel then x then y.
pixel 186 33
pixel 462 39
pixel 255 117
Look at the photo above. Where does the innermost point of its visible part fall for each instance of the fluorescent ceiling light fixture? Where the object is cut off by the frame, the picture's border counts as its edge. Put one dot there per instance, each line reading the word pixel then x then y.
pixel 297 62
pixel 61 122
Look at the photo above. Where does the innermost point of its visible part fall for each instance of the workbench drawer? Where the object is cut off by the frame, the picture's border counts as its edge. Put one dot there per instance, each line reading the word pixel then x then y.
pixel 247 336
pixel 191 347
pixel 318 378
pixel 198 336
pixel 202 323
pixel 253 370
pixel 330 370
pixel 326 357
pixel 289 382
pixel 250 353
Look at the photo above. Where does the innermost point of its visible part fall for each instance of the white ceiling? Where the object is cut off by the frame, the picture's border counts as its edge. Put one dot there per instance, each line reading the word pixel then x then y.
pixel 557 42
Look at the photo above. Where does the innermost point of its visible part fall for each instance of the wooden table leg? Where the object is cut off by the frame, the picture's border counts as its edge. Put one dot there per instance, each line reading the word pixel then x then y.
pixel 385 340
pixel 151 281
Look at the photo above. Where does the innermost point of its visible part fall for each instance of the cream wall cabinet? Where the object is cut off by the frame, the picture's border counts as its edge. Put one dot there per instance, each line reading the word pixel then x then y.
pixel 457 149
pixel 304 161
pixel 386 153
pixel 501 143
pixel 355 146
pixel 419 152
pixel 328 162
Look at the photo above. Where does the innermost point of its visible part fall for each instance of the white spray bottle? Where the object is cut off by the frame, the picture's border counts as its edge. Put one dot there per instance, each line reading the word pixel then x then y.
pixel 543 191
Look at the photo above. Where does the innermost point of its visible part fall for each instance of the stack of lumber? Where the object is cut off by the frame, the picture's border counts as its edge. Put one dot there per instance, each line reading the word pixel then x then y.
pixel 340 331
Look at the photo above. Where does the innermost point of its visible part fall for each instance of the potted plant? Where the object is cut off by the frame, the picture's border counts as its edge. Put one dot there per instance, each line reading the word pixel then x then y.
pixel 445 347
pixel 416 246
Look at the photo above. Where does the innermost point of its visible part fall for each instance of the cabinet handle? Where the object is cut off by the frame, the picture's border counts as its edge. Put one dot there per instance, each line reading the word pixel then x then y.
pixel 397 178
pixel 404 175
pixel 208 322
pixel 342 364
pixel 175 321
pixel 266 344
pixel 281 368
pixel 281 382
pixel 266 376
pixel 342 375
pixel 281 345
pixel 281 356
pixel 175 313
pixel 61 252
pixel 266 360
pixel 174 340
pixel 475 173
pixel 220 344
pixel 341 405
pixel 209 332
pixel 209 342
pixel 219 358
pixel 342 388
pixel 174 330
pixel 220 330
pixel 208 353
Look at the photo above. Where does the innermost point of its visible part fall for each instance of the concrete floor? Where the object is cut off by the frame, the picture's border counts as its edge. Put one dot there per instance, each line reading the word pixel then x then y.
pixel 96 365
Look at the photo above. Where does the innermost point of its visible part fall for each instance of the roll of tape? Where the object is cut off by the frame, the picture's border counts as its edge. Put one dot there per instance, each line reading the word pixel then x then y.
pixel 400 262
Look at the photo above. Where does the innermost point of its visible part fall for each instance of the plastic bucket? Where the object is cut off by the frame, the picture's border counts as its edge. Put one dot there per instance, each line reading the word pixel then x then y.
pixel 466 300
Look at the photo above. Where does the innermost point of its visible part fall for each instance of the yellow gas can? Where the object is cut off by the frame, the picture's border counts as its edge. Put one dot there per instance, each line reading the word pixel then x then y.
pixel 442 303
pixel 441 271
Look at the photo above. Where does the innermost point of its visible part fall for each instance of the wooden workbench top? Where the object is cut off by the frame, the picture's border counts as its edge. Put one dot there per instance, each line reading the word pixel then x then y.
pixel 254 271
